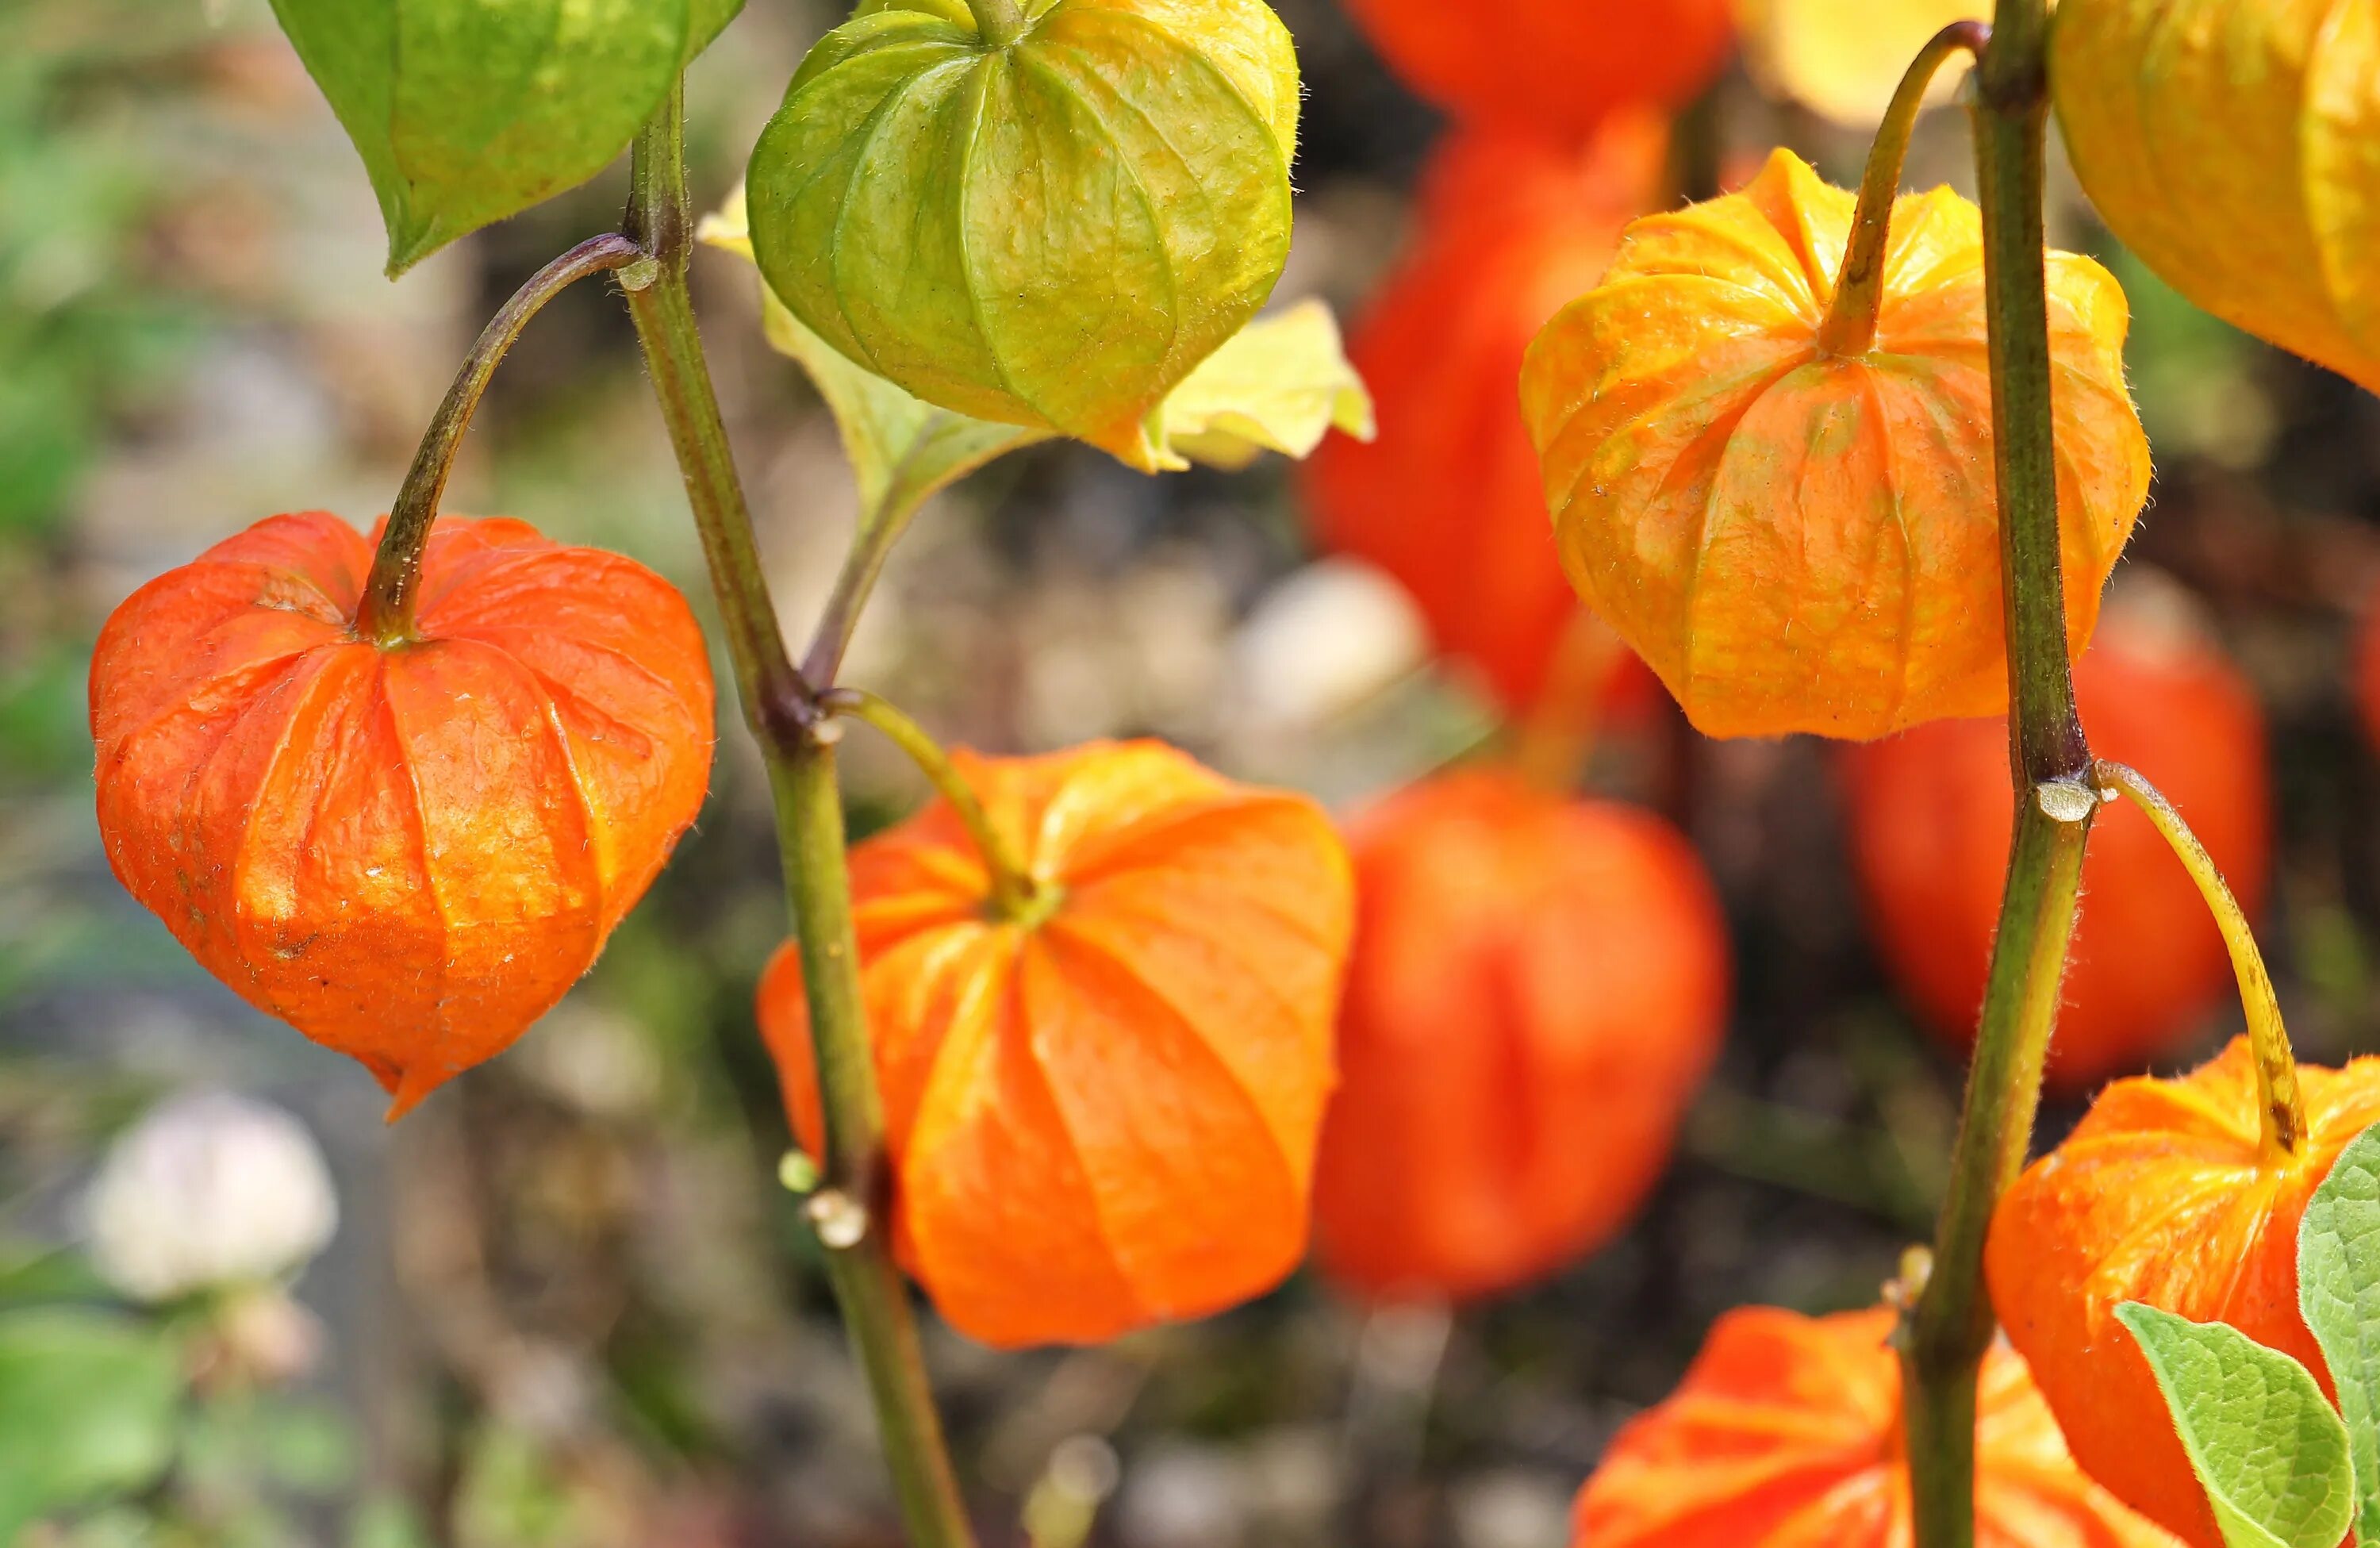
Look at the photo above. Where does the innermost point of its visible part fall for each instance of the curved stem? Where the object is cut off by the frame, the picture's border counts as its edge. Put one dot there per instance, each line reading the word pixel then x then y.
pixel 1015 894
pixel 1850 327
pixel 2277 1066
pixel 854 1191
pixel 1946 1333
pixel 1556 736
pixel 879 530
pixel 999 21
pixel 385 614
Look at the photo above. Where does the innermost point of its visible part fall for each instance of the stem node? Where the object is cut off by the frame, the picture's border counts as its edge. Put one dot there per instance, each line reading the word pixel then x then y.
pixel 2066 800
pixel 2049 759
pixel 839 1220
pixel 783 713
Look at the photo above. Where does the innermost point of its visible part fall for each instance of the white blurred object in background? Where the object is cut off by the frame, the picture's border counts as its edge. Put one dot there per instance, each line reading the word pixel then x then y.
pixel 1323 640
pixel 209 1189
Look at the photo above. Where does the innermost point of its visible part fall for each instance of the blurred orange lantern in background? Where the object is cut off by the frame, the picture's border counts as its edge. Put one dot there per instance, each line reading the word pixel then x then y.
pixel 1538 987
pixel 1930 818
pixel 408 852
pixel 1447 499
pixel 2167 1192
pixel 1102 1112
pixel 1786 1433
pixel 1555 66
pixel 1796 526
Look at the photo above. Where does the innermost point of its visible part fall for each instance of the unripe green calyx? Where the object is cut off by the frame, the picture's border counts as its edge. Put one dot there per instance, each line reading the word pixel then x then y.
pixel 1049 232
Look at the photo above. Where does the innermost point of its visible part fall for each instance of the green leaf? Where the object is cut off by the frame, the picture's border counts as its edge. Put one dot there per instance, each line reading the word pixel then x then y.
pixel 2339 1291
pixel 2263 1439
pixel 467 111
pixel 32 1274
pixel 88 1405
pixel 1280 384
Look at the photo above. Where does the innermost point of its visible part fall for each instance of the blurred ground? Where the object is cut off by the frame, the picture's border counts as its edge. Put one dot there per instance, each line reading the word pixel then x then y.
pixel 567 1303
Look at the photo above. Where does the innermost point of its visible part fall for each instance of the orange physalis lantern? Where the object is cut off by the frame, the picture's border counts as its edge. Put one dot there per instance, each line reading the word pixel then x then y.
pixel 1447 498
pixel 1100 1107
pixel 1788 509
pixel 2179 1193
pixel 1786 1433
pixel 1930 818
pixel 1553 66
pixel 408 852
pixel 1538 989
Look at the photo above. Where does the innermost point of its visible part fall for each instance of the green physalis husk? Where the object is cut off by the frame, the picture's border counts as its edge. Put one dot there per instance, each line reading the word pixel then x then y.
pixel 1049 232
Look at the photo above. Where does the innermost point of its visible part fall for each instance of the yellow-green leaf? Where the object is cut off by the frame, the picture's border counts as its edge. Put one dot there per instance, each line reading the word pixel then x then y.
pixel 1280 384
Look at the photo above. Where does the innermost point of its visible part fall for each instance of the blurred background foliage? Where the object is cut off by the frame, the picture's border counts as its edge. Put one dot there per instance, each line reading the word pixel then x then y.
pixel 565 1303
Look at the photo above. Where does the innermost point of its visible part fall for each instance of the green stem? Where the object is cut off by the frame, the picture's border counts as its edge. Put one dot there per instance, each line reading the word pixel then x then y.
pixel 664 314
pixel 1850 326
pixel 1015 894
pixel 999 21
pixel 854 1196
pixel 2269 1039
pixel 852 1200
pixel 1950 1327
pixel 385 614
pixel 880 528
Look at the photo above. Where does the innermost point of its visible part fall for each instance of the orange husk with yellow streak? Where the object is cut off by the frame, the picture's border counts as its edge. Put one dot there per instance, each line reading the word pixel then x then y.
pixel 1101 1110
pixel 2168 1192
pixel 410 852
pixel 1801 541
pixel 1786 1433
